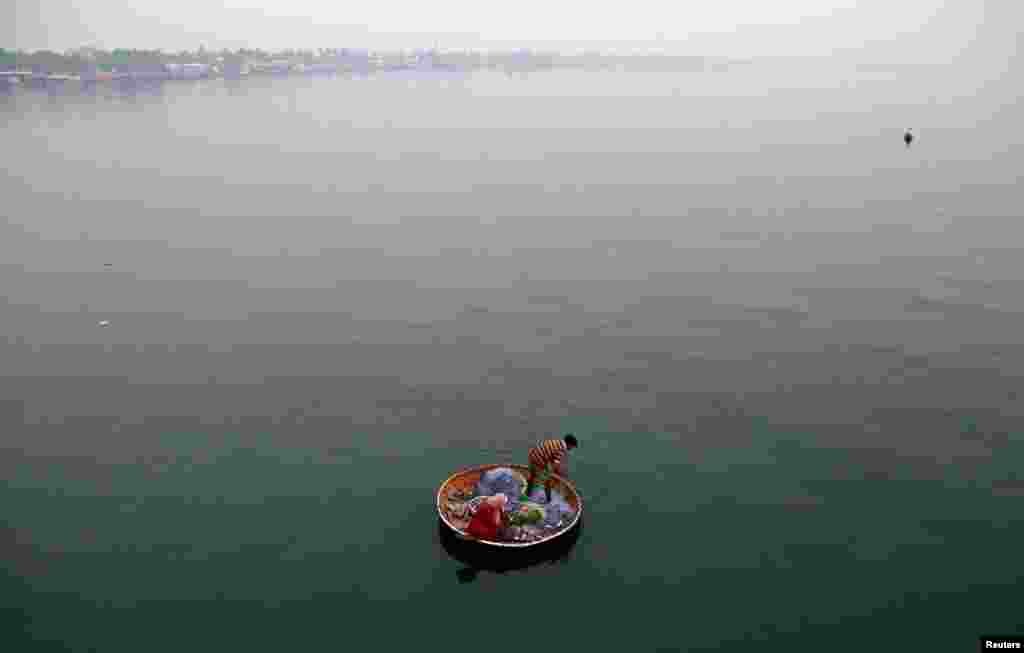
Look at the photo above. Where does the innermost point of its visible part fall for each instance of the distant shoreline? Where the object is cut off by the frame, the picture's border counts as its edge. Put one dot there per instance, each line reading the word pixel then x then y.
pixel 95 65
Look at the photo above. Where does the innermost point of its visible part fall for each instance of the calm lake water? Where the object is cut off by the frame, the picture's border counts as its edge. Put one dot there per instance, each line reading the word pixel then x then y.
pixel 792 349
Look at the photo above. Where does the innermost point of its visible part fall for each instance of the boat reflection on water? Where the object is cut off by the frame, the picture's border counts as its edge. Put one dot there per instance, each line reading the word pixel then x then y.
pixel 477 557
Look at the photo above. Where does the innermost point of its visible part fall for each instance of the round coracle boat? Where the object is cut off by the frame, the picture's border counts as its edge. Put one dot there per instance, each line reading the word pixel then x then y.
pixel 458 498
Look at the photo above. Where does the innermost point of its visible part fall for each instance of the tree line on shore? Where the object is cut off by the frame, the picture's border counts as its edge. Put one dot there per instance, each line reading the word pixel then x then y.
pixel 73 62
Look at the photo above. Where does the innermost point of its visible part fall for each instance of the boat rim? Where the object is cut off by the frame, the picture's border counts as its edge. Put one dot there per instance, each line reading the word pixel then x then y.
pixel 508 545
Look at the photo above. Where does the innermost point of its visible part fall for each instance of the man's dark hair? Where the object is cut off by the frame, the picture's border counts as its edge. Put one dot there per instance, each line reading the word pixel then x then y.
pixel 571 440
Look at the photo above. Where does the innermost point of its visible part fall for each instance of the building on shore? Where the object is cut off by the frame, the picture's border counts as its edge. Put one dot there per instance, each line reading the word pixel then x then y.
pixel 93 74
pixel 355 61
pixel 233 68
pixel 8 80
pixel 275 67
pixel 189 70
pixel 319 68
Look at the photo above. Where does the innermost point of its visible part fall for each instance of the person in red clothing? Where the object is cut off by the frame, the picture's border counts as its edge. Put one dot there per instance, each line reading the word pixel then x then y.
pixel 547 458
pixel 489 518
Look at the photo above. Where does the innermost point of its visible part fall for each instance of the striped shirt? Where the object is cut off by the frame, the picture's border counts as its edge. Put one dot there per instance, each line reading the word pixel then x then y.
pixel 548 452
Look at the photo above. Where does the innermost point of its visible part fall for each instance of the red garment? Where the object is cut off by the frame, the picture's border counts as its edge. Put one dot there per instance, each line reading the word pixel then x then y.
pixel 484 524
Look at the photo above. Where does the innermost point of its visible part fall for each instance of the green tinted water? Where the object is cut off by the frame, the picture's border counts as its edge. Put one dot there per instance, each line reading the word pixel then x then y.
pixel 251 546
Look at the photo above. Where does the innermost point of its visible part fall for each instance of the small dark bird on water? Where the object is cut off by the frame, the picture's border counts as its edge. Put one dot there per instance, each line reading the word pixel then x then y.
pixel 908 138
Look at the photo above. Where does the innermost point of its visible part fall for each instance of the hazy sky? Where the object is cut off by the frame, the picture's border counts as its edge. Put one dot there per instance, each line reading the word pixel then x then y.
pixel 893 29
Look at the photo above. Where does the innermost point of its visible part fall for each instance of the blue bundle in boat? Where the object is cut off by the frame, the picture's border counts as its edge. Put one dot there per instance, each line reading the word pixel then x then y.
pixel 558 509
pixel 500 480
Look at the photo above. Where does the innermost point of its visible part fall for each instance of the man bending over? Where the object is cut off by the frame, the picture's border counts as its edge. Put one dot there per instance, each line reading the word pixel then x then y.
pixel 545 459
